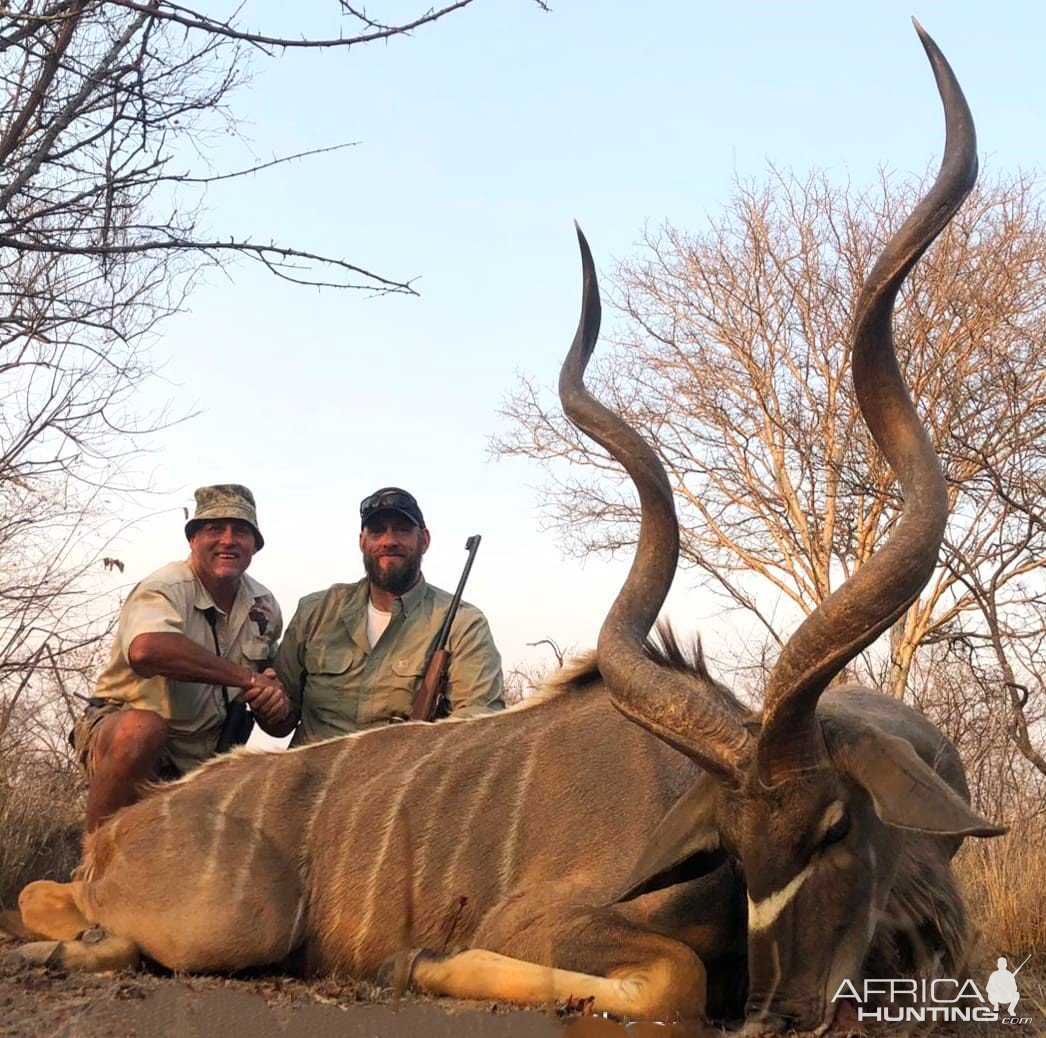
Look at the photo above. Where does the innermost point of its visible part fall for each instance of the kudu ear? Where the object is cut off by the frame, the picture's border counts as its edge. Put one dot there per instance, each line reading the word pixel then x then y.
pixel 906 791
pixel 685 845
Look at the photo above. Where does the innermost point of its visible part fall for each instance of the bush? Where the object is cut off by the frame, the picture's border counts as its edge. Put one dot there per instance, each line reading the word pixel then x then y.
pixel 41 822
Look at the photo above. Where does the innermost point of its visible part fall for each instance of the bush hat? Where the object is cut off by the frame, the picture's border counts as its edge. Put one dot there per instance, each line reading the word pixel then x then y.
pixel 225 501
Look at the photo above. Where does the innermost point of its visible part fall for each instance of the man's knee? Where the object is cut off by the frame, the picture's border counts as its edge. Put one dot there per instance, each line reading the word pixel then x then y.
pixel 131 739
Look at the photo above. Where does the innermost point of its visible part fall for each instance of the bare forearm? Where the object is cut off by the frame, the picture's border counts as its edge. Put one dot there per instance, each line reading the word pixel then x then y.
pixel 181 659
pixel 177 657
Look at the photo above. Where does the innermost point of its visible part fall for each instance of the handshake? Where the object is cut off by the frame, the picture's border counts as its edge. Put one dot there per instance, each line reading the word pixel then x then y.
pixel 264 695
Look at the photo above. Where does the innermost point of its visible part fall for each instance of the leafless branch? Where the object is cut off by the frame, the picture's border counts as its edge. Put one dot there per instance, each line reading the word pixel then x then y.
pixel 732 358
pixel 107 108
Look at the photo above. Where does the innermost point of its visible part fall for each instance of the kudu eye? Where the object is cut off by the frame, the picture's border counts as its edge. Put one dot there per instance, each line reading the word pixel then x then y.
pixel 837 830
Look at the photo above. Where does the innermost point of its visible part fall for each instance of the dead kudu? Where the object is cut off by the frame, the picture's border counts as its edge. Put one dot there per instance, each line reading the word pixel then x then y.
pixel 609 841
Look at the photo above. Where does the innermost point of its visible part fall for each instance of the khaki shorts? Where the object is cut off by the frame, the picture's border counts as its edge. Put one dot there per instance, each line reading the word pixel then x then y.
pixel 85 731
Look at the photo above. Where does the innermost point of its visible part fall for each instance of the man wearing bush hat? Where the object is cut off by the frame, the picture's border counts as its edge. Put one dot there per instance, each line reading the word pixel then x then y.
pixel 354 655
pixel 192 639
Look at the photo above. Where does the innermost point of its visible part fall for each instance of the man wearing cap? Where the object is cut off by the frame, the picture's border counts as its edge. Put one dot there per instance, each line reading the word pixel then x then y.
pixel 192 637
pixel 354 655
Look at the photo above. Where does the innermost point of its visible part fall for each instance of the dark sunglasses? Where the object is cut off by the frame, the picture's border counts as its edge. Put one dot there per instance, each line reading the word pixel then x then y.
pixel 387 499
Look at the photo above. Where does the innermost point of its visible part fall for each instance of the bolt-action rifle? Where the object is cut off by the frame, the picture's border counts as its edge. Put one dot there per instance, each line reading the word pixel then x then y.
pixel 431 700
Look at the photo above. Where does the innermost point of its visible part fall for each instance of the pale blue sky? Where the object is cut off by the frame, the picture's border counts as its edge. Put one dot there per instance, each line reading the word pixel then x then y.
pixel 480 141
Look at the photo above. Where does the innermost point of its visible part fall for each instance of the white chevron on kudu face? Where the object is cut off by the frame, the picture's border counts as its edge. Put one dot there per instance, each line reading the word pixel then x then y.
pixel 764 912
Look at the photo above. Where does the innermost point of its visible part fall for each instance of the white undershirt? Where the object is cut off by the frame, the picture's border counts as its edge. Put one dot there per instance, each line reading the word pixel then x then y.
pixel 377 621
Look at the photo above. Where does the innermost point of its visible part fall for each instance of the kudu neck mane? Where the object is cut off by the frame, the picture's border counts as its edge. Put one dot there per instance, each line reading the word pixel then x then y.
pixel 662 648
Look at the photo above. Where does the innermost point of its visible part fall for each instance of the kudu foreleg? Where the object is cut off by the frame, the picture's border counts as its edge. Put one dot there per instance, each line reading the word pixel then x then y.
pixel 668 985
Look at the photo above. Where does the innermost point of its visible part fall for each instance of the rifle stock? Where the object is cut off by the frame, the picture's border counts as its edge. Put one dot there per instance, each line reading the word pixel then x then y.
pixel 431 697
pixel 431 702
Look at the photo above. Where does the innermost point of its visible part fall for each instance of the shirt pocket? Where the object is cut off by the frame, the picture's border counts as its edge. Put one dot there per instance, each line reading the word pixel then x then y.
pixel 328 660
pixel 257 652
pixel 331 694
pixel 395 690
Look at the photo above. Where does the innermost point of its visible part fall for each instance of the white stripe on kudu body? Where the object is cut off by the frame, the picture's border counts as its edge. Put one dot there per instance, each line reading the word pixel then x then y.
pixel 521 801
pixel 395 824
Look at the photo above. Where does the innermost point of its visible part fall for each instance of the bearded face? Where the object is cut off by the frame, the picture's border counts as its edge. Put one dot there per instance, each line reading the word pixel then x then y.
pixel 392 548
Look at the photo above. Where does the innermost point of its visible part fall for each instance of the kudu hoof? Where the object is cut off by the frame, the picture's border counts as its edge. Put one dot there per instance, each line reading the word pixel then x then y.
pixel 37 953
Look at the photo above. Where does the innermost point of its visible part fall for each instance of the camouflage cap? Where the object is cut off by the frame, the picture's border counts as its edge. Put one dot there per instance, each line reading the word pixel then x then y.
pixel 225 501
pixel 391 499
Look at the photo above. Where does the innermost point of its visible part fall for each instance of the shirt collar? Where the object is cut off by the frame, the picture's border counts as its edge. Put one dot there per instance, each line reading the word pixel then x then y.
pixel 412 599
pixel 409 600
pixel 247 594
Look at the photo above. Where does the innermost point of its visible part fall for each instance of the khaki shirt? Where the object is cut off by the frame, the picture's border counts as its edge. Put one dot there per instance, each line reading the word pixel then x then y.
pixel 172 601
pixel 341 685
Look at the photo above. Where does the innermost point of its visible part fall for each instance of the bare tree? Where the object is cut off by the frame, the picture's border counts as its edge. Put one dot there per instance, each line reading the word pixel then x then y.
pixel 1006 650
pixel 523 680
pixel 963 693
pixel 108 111
pixel 732 358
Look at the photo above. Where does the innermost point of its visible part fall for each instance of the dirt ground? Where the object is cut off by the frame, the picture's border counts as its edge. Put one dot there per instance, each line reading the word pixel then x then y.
pixel 40 1003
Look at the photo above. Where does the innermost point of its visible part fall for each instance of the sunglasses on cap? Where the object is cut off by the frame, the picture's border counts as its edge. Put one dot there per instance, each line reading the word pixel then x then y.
pixel 391 499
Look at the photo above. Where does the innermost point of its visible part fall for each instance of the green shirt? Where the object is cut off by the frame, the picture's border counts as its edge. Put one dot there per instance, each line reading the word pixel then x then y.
pixel 341 685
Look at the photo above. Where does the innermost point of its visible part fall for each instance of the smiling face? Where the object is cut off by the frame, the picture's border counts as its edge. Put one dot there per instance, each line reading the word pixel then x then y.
pixel 220 550
pixel 392 549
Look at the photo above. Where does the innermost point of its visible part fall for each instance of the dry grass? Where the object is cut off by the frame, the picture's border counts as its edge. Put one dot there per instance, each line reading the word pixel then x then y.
pixel 1004 882
pixel 41 823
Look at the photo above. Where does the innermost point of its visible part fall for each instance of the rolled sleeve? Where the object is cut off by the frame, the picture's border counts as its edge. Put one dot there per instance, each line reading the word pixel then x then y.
pixel 151 609
pixel 475 685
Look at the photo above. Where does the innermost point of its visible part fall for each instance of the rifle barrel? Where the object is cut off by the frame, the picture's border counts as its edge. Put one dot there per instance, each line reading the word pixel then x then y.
pixel 427 702
pixel 471 546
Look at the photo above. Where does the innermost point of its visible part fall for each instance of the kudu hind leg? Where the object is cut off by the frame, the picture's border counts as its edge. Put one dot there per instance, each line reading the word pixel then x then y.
pixel 12 925
pixel 667 984
pixel 107 953
pixel 52 910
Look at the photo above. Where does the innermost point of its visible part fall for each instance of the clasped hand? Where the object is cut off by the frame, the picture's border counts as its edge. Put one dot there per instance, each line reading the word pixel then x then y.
pixel 266 698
